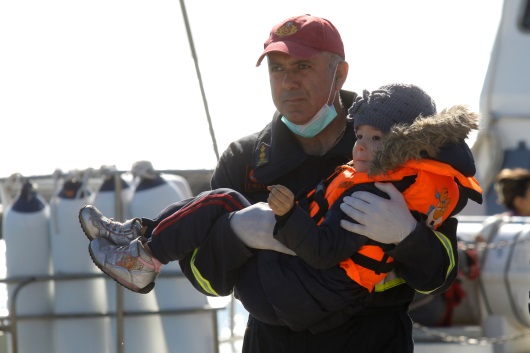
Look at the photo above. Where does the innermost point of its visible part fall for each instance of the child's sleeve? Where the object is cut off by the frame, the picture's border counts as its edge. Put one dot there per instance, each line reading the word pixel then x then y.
pixel 320 246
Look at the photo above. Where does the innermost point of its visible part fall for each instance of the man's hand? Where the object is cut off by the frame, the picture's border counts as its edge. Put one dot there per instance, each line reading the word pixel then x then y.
pixel 254 226
pixel 280 200
pixel 385 221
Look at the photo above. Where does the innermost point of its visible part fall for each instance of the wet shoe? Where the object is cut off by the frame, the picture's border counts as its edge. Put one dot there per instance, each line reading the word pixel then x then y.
pixel 95 225
pixel 130 265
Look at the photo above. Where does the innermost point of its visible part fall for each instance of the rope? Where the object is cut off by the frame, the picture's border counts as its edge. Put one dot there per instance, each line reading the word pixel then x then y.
pixel 445 337
pixel 490 246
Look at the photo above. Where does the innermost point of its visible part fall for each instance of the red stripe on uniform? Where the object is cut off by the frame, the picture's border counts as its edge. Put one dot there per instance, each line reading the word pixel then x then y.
pixel 217 199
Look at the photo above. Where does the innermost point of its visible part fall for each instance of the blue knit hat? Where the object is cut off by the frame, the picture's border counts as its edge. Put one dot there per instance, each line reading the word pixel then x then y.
pixel 392 104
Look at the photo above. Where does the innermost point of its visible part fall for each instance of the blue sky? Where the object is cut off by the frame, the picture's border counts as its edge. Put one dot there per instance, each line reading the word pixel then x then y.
pixel 91 83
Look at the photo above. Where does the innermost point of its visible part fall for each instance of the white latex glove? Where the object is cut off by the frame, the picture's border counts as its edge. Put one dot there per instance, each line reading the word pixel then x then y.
pixel 254 226
pixel 385 221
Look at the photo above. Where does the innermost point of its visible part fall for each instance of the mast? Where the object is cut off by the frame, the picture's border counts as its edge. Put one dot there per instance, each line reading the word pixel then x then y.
pixel 195 60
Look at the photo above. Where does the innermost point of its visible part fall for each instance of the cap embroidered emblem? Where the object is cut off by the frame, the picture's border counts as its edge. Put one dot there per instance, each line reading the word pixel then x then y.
pixel 287 29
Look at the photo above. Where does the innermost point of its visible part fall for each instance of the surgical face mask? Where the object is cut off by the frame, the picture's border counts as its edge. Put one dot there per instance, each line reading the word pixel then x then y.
pixel 319 122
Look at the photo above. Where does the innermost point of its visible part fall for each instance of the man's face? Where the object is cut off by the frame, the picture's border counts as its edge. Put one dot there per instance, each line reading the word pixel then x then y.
pixel 523 203
pixel 367 144
pixel 299 87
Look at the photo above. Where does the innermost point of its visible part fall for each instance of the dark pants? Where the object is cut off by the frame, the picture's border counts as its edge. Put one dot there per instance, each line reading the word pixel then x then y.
pixel 382 332
pixel 182 226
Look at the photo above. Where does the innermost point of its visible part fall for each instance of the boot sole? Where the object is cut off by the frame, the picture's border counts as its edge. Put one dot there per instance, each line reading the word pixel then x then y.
pixel 143 290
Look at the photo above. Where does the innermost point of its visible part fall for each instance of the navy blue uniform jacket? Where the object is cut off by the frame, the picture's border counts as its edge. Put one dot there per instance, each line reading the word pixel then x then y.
pixel 273 156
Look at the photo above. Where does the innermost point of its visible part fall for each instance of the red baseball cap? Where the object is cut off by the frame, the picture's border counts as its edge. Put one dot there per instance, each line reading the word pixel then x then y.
pixel 303 37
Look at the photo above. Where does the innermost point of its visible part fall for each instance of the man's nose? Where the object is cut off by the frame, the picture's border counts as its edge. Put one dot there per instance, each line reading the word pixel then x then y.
pixel 289 80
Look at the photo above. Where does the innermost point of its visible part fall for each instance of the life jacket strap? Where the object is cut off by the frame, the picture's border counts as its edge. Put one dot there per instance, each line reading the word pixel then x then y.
pixel 378 266
pixel 319 198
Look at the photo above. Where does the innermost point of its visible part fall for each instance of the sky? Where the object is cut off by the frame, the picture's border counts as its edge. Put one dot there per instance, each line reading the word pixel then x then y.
pixel 110 82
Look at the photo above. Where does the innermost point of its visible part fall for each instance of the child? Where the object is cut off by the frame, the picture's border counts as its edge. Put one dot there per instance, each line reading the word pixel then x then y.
pixel 135 261
pixel 430 187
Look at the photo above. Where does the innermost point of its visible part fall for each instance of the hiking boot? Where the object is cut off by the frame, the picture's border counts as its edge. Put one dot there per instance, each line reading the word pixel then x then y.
pixel 130 265
pixel 95 225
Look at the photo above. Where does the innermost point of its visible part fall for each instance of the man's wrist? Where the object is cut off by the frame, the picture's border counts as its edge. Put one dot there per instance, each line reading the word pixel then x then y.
pixel 413 227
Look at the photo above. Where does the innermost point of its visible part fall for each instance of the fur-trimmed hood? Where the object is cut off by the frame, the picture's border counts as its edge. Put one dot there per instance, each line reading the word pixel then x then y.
pixel 440 137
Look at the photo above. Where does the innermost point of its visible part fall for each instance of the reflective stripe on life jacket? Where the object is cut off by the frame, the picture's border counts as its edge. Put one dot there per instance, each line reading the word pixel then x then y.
pixel 434 194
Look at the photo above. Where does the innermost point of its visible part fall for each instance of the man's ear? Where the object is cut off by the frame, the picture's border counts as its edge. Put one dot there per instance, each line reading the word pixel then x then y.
pixel 342 74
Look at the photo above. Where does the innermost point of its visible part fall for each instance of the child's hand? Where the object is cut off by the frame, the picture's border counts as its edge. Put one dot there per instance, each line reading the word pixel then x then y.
pixel 280 200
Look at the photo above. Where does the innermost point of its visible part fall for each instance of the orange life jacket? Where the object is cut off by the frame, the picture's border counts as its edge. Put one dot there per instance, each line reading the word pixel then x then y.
pixel 434 193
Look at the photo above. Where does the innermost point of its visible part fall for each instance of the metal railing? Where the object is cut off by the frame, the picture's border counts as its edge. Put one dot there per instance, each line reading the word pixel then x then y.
pixel 9 323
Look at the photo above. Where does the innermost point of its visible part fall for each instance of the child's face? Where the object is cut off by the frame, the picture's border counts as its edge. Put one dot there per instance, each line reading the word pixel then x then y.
pixel 367 144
